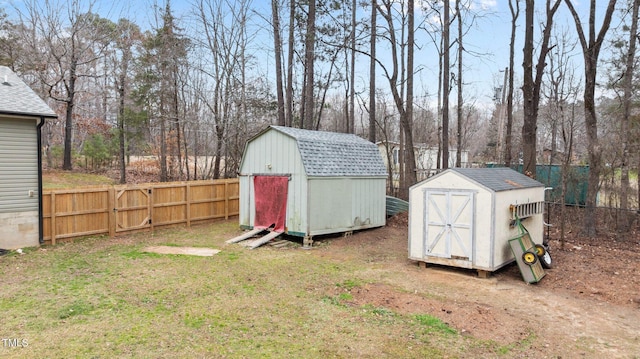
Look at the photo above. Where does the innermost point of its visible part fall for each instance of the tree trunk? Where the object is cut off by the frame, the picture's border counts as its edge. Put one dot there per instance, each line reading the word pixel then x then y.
pixel 352 75
pixel 291 52
pixel 67 164
pixel 310 40
pixel 531 84
pixel 591 51
pixel 529 125
pixel 445 87
pixel 121 114
pixel 440 100
pixel 164 176
pixel 460 104
pixel 508 135
pixel 624 223
pixel 406 155
pixel 410 168
pixel 176 121
pixel 372 76
pixel 277 46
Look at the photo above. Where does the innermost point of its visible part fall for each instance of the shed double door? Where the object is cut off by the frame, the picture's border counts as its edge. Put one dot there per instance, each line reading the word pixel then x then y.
pixel 448 231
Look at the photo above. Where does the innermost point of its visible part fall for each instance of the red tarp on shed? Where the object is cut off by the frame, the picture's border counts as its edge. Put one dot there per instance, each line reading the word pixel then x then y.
pixel 271 201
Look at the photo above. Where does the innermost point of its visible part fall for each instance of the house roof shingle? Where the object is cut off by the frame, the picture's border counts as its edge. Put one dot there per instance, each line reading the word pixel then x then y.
pixel 327 154
pixel 17 98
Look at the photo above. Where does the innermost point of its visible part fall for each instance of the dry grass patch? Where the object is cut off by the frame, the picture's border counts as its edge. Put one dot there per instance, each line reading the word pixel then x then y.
pixel 106 297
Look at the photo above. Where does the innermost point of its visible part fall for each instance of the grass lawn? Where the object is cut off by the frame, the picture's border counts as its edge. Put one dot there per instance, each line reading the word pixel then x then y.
pixel 58 179
pixel 103 297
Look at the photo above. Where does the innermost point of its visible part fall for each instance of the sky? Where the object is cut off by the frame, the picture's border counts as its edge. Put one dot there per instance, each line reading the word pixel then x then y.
pixel 487 42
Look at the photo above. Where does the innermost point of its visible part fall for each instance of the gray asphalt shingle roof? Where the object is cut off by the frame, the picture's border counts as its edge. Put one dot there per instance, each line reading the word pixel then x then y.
pixel 16 98
pixel 336 154
pixel 498 179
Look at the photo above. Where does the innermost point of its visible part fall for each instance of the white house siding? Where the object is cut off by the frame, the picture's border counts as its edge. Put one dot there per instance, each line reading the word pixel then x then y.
pixel 18 176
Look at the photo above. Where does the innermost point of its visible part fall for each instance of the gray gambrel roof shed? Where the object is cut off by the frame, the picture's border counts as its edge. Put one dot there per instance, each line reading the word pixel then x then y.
pixel 335 182
pixel 16 98
pixel 335 154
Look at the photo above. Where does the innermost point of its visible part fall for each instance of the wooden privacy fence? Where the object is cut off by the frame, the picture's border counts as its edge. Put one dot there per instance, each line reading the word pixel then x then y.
pixel 71 213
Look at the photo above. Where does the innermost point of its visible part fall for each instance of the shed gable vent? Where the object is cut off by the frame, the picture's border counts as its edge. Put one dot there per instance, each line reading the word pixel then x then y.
pixel 525 210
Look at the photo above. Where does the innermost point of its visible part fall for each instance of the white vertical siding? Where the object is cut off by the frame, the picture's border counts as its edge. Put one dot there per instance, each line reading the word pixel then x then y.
pixel 534 224
pixel 369 201
pixel 18 165
pixel 330 204
pixel 340 204
pixel 281 153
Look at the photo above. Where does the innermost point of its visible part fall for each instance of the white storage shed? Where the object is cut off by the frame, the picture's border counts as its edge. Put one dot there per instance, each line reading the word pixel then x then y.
pixel 464 217
pixel 22 115
pixel 306 183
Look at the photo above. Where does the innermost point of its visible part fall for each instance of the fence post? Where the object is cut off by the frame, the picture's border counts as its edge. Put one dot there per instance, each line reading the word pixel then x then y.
pixel 111 193
pixel 226 199
pixel 151 190
pixel 188 201
pixel 53 218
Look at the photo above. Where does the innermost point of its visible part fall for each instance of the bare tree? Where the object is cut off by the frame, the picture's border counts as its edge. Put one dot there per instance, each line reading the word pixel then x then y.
pixel 7 56
pixel 126 35
pixel 290 63
pixel 627 85
pixel 372 74
pixel 591 50
pixel 514 8
pixel 74 41
pixel 459 83
pixel 531 85
pixel 561 88
pixel 308 103
pixel 277 46
pixel 408 173
pixel 352 72
pixel 445 85
pixel 225 41
pixel 407 120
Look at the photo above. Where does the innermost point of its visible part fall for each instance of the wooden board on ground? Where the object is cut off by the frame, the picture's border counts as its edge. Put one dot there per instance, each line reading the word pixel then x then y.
pixel 253 244
pixel 245 235
pixel 192 251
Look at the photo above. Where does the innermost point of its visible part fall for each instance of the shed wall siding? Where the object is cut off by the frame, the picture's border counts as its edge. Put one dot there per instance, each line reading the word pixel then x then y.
pixel 369 201
pixel 533 224
pixel 345 203
pixel 281 153
pixel 18 166
pixel 330 204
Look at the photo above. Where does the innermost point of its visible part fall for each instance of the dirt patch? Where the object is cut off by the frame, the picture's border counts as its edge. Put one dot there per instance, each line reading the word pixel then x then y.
pixel 587 305
pixel 480 320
